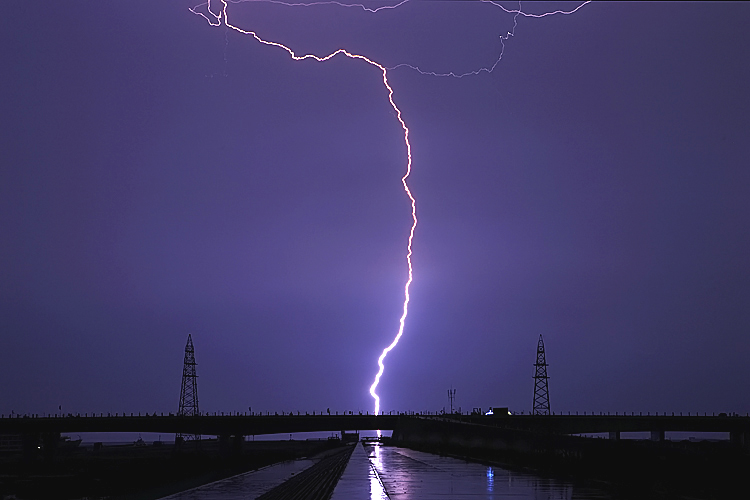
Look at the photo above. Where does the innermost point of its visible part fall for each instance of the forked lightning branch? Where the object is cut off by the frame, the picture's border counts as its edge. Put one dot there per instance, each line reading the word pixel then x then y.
pixel 216 13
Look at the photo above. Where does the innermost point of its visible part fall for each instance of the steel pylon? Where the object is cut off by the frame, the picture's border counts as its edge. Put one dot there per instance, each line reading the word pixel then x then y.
pixel 189 391
pixel 541 388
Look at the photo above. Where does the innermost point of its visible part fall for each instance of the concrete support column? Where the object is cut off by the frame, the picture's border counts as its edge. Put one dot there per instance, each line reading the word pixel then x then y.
pixel 614 435
pixel 657 436
pixel 230 444
pixel 224 445
pixel 50 441
pixel 741 438
pixel 237 444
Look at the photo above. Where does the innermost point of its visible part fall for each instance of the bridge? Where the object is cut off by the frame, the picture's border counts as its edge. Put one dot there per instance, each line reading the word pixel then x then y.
pixel 246 425
pixel 217 425
pixel 657 425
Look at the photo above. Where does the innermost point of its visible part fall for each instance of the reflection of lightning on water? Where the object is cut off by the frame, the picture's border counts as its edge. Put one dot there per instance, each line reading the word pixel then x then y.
pixel 215 18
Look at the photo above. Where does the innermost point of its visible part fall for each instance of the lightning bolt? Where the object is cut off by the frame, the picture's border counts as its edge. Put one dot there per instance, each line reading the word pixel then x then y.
pixel 216 19
pixel 328 2
pixel 503 38
pixel 220 17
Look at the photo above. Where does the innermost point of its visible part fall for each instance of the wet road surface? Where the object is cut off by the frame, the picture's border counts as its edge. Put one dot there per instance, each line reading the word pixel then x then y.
pixel 403 474
pixel 377 472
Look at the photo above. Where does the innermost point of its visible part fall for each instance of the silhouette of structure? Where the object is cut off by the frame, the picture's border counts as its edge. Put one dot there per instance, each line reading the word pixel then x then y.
pixel 541 389
pixel 452 396
pixel 189 391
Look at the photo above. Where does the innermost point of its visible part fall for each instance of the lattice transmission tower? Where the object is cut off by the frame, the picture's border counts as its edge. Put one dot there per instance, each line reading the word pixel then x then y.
pixel 541 389
pixel 189 391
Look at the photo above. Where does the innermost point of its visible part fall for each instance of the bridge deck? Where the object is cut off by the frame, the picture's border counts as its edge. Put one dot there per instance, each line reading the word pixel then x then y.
pixel 244 425
pixel 276 424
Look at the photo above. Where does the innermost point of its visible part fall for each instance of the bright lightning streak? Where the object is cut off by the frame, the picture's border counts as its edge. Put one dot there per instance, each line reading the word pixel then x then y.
pixel 327 2
pixel 544 14
pixel 289 4
pixel 402 2
pixel 503 39
pixel 486 69
pixel 216 21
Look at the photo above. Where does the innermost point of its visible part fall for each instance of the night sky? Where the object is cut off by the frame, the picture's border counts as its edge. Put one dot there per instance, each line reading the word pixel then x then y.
pixel 159 177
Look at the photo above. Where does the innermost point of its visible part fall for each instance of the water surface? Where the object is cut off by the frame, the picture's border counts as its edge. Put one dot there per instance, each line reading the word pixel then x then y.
pixel 413 475
pixel 377 472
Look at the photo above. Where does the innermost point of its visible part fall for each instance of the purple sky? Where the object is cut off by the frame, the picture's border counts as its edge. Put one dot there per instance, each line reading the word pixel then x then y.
pixel 160 177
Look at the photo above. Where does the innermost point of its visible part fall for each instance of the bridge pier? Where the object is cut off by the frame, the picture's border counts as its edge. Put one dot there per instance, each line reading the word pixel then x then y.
pixel 224 446
pixel 614 435
pixel 50 441
pixel 657 436
pixel 238 441
pixel 230 444
pixel 741 438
